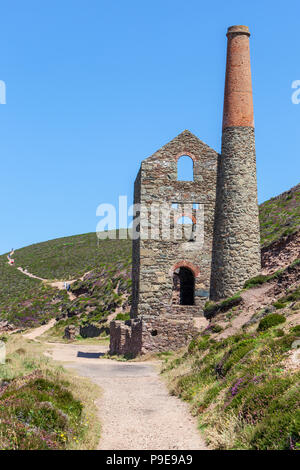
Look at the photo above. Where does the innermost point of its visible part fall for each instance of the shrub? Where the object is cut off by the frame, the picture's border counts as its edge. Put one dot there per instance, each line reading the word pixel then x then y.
pixel 199 344
pixel 270 320
pixel 255 281
pixel 37 413
pixel 279 305
pixel 123 316
pixel 296 329
pixel 259 398
pixel 216 328
pixel 284 344
pixel 236 353
pixel 292 296
pixel 211 308
pixel 277 432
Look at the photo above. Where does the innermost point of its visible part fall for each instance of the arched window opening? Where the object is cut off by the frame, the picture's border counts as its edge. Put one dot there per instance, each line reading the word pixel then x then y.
pixel 183 286
pixel 185 220
pixel 185 169
pixel 188 227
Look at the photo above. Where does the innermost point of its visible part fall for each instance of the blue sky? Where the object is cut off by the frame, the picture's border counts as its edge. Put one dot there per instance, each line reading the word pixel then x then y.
pixel 94 87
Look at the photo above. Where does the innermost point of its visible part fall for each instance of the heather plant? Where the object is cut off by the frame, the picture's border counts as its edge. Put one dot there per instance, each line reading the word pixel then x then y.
pixel 296 329
pixel 280 216
pixel 28 302
pixel 41 405
pixel 25 301
pixel 236 388
pixel 271 320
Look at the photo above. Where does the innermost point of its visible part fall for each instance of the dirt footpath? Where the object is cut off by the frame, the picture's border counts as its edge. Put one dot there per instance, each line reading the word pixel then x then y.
pixel 135 409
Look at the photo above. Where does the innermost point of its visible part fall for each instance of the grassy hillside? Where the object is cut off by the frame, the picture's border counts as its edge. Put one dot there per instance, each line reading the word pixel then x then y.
pixel 41 405
pixel 102 292
pixel 280 216
pixel 243 389
pixel 241 374
pixel 70 257
pixel 26 301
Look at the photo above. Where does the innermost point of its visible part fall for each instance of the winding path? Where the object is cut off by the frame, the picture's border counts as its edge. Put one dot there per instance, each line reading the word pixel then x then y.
pixel 135 408
pixel 57 284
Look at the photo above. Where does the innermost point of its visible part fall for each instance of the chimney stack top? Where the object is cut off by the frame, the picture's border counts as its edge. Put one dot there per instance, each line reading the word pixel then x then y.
pixel 238 29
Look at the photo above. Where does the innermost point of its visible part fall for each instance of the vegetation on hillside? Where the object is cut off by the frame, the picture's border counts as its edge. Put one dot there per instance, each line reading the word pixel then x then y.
pixel 43 407
pixel 104 291
pixel 71 257
pixel 280 216
pixel 25 301
pixel 241 390
pixel 105 265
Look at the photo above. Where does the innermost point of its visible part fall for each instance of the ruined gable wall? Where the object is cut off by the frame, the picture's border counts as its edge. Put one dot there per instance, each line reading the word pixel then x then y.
pixel 158 257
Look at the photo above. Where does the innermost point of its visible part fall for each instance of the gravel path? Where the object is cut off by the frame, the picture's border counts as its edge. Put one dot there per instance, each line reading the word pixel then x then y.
pixel 36 332
pixel 135 409
pixel 57 284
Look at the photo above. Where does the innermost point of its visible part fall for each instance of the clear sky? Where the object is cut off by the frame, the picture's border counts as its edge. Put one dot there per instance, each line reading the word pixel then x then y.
pixel 94 87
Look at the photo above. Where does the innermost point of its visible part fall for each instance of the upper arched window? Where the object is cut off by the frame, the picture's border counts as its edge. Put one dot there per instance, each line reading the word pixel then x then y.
pixel 185 169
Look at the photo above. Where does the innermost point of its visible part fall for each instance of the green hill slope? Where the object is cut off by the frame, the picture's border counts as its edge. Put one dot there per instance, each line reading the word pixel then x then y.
pixel 26 301
pixel 242 389
pixel 70 257
pixel 280 216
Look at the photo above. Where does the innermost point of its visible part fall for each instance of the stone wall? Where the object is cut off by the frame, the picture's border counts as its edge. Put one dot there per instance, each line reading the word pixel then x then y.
pixel 156 259
pixel 236 249
pixel 126 337
pixel 136 336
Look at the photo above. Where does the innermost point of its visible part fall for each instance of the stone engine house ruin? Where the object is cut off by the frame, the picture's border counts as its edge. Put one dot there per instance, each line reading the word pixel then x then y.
pixel 176 271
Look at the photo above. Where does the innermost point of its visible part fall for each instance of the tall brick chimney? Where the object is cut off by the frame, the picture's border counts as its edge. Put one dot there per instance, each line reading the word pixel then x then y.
pixel 236 246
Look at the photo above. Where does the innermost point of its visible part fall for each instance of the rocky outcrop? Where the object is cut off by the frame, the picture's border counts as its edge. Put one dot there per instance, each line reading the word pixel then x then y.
pixel 281 253
pixel 6 327
pixel 71 332
pixel 92 331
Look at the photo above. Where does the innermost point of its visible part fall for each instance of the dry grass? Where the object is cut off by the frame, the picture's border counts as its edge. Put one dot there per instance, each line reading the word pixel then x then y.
pixel 233 386
pixel 26 356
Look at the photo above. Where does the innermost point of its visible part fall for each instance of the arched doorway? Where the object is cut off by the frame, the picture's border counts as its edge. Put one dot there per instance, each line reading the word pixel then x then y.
pixel 187 286
pixel 183 286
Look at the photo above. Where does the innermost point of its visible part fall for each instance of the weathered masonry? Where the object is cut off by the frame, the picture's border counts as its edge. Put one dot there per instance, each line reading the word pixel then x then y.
pixel 236 252
pixel 177 266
